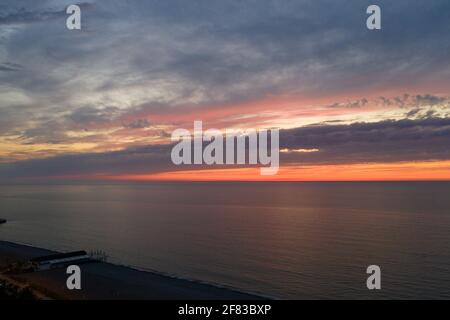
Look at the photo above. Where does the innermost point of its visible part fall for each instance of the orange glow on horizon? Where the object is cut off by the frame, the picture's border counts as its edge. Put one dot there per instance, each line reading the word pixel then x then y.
pixel 409 171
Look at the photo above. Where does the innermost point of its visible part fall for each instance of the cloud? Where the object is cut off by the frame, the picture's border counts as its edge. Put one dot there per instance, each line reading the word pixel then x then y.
pixel 386 141
pixel 24 12
pixel 359 103
pixel 216 51
pixel 138 124
pixel 133 160
pixel 135 58
pixel 10 67
pixel 429 99
pixel 89 115
pixel 399 101
pixel 23 16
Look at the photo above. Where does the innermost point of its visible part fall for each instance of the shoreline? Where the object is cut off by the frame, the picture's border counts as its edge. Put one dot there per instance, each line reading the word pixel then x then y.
pixel 106 281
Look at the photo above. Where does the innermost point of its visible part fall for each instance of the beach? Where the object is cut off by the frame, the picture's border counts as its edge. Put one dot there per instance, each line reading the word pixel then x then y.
pixel 104 281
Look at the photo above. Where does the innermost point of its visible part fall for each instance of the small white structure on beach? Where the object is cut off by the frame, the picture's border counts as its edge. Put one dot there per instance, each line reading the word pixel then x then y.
pixel 59 260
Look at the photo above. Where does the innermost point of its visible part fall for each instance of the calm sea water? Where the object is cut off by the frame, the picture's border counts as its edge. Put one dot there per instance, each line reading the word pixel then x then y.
pixel 284 240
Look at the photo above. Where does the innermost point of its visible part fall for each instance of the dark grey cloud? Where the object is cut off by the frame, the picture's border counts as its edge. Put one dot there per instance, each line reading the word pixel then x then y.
pixel 138 124
pixel 429 99
pixel 10 67
pixel 413 112
pixel 133 160
pixel 386 141
pixel 400 101
pixel 24 16
pixel 359 103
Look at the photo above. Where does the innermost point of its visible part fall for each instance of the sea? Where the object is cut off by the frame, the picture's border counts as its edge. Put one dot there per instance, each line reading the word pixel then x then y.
pixel 283 240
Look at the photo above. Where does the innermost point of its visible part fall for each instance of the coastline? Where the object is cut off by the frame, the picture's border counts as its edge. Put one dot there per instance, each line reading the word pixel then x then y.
pixel 107 281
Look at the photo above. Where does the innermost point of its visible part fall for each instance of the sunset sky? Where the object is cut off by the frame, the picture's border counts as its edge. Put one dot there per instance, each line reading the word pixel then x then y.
pixel 101 103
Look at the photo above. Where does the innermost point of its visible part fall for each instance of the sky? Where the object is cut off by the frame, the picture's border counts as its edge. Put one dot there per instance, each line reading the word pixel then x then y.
pixel 101 103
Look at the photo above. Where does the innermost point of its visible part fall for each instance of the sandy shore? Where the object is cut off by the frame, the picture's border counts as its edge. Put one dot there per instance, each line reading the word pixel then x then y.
pixel 108 281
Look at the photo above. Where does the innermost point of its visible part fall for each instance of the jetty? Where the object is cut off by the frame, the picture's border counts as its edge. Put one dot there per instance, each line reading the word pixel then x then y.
pixel 2 221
